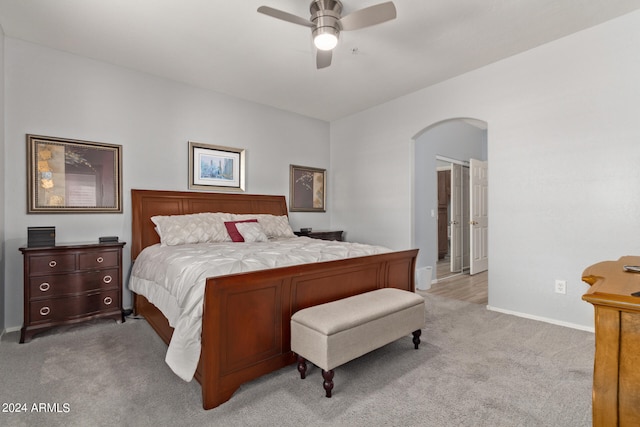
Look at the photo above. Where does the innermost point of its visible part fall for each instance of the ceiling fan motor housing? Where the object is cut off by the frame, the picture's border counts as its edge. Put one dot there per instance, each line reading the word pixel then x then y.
pixel 325 14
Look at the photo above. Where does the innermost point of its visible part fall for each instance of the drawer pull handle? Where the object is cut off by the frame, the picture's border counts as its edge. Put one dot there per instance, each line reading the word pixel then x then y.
pixel 45 310
pixel 52 263
pixel 107 279
pixel 44 287
pixel 99 259
pixel 108 300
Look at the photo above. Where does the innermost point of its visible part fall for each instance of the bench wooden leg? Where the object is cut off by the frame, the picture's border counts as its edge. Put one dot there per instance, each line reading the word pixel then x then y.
pixel 302 367
pixel 328 381
pixel 416 338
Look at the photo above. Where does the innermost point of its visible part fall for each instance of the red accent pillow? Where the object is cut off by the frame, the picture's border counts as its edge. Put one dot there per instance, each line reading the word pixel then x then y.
pixel 233 230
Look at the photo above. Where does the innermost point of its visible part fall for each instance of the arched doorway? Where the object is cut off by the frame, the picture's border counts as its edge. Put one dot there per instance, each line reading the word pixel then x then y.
pixel 445 149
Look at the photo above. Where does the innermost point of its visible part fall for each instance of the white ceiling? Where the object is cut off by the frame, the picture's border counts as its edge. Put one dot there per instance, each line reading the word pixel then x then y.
pixel 228 47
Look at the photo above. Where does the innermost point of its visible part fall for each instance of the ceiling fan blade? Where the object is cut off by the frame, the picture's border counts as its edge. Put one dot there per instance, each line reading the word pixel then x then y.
pixel 285 16
pixel 323 59
pixel 369 16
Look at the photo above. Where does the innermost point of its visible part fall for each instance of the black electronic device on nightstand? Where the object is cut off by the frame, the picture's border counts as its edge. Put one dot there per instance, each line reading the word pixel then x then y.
pixel 108 239
pixel 39 237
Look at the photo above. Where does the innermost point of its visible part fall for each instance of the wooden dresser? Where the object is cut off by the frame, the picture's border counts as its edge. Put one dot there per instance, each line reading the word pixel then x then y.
pixel 616 376
pixel 71 283
pixel 322 235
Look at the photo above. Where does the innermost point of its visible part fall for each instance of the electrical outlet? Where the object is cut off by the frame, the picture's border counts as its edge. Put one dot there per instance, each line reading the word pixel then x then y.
pixel 561 286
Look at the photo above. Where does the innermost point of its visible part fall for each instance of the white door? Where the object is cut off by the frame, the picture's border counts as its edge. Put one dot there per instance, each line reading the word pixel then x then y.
pixel 455 223
pixel 479 222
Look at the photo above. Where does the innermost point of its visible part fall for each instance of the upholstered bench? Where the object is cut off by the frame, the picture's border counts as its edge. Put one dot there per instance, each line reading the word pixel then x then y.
pixel 334 333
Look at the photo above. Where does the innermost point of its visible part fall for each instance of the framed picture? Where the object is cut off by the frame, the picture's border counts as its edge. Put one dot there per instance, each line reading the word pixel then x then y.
pixel 307 189
pixel 68 175
pixel 213 167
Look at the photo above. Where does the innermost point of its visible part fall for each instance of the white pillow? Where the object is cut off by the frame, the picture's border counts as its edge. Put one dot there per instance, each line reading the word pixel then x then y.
pixel 192 228
pixel 251 231
pixel 273 225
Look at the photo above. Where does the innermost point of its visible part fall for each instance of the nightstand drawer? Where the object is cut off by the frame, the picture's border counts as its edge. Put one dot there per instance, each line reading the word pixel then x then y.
pixel 73 283
pixel 67 308
pixel 98 259
pixel 47 264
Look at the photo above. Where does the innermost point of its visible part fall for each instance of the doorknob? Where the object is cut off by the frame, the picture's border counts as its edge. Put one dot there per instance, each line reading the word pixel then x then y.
pixel 473 222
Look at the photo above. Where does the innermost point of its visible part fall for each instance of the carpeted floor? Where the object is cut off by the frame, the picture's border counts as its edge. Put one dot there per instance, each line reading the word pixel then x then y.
pixel 474 368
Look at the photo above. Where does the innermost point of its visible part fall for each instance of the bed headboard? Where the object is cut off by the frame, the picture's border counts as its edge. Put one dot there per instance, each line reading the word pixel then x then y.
pixel 147 203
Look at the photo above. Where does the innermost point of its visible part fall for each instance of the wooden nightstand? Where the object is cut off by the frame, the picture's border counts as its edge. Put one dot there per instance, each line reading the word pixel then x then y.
pixel 323 235
pixel 69 284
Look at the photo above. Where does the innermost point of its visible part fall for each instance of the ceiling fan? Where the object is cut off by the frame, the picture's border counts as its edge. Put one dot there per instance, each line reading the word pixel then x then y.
pixel 326 23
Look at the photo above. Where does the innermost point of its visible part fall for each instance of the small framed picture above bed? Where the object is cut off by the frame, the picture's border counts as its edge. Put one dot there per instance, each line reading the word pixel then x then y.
pixel 214 167
pixel 307 188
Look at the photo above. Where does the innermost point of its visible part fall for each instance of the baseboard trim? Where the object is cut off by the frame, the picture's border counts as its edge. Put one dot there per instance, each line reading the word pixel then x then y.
pixel 8 330
pixel 543 319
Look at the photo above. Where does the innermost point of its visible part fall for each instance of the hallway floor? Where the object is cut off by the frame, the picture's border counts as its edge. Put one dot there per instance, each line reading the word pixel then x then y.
pixel 461 286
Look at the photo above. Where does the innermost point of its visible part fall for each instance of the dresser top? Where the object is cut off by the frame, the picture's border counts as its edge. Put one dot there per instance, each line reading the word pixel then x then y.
pixel 611 285
pixel 67 246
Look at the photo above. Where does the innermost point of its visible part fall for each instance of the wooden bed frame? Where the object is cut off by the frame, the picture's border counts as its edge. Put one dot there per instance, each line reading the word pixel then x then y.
pixel 246 317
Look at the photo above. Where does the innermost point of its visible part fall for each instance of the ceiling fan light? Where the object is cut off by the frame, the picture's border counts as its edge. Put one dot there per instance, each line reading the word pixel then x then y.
pixel 325 41
pixel 325 38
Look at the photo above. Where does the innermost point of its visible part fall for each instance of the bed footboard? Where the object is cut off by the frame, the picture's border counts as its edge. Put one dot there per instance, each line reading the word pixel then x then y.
pixel 246 330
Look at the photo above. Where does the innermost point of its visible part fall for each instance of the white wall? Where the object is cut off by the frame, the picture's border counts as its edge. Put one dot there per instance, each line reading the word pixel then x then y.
pixel 4 182
pixel 53 93
pixel 563 151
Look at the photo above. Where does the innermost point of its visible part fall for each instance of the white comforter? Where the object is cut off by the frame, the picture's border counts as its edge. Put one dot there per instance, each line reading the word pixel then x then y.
pixel 173 279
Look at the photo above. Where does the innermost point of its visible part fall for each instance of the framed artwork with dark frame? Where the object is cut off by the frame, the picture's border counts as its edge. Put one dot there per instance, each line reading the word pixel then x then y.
pixel 307 189
pixel 69 175
pixel 214 167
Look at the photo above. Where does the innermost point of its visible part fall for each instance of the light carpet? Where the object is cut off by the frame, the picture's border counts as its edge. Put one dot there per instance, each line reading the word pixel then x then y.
pixel 474 368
